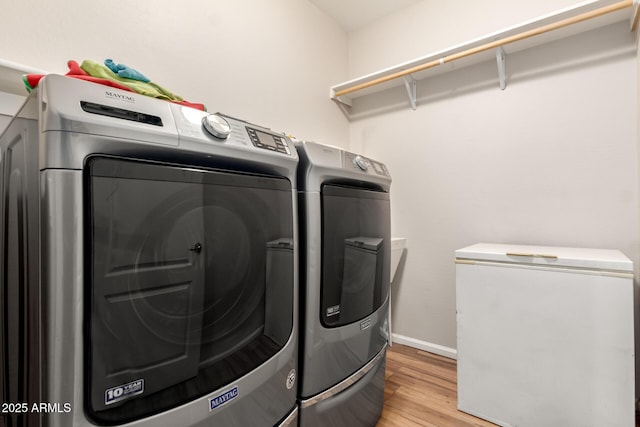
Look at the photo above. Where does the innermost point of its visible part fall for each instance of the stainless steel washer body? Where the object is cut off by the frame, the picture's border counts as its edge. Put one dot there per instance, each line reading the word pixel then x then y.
pixel 149 267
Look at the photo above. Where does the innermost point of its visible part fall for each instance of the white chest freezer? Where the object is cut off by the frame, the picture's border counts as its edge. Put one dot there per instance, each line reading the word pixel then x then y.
pixel 545 336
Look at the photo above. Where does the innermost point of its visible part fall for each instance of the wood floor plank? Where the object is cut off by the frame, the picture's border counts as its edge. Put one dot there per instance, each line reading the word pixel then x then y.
pixel 440 370
pixel 393 418
pixel 418 377
pixel 430 404
pixel 421 391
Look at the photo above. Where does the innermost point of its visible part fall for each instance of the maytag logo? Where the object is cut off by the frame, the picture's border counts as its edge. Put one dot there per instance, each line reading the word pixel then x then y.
pixel 223 398
pixel 119 97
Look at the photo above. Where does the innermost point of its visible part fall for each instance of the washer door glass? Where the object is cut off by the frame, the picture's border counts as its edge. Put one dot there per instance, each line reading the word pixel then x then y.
pixel 190 284
pixel 355 253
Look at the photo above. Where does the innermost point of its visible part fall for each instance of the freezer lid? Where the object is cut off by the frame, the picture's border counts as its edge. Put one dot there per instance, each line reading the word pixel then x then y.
pixel 549 256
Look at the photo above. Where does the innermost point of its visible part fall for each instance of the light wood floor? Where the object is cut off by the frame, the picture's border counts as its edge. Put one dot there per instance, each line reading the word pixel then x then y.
pixel 421 390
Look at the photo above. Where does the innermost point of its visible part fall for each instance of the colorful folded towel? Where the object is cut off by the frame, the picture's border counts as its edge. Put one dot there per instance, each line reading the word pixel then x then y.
pixel 96 69
pixel 31 81
pixel 125 71
pixel 98 73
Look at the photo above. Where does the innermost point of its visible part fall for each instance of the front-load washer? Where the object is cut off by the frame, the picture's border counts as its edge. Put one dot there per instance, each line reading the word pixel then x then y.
pixel 345 261
pixel 149 264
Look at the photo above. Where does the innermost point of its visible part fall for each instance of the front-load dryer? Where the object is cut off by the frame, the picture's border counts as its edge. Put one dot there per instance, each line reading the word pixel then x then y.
pixel 149 264
pixel 345 259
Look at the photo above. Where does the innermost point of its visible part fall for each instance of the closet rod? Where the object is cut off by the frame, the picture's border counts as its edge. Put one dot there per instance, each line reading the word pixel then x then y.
pixel 492 45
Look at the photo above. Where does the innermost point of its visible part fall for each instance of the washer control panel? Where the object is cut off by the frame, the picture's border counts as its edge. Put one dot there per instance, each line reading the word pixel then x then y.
pixel 231 131
pixel 217 126
pixel 268 140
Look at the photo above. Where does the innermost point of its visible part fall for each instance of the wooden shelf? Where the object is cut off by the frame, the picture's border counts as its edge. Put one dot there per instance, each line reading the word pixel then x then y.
pixel 573 20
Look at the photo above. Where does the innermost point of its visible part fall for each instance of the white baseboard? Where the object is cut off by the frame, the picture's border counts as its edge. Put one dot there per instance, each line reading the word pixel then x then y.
pixel 440 350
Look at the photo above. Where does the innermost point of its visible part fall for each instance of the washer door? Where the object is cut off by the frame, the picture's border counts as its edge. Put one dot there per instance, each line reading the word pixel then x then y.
pixel 191 283
pixel 355 253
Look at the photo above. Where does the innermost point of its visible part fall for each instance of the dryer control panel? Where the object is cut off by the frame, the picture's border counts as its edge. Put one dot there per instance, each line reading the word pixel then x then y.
pixel 321 163
pixel 363 164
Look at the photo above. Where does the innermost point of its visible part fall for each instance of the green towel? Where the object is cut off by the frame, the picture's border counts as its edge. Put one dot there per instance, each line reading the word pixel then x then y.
pixel 96 69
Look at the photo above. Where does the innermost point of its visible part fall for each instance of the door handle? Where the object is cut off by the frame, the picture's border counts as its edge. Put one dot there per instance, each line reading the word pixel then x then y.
pixel 545 256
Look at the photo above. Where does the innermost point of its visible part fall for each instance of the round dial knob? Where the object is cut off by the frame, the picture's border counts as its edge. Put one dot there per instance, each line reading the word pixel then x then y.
pixel 361 163
pixel 217 126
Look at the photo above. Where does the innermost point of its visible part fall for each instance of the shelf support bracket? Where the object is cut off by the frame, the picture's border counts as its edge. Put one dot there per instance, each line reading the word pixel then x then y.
pixel 501 57
pixel 635 15
pixel 411 85
pixel 345 101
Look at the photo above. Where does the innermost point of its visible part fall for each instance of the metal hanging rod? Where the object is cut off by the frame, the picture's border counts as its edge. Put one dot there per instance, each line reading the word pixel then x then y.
pixel 491 45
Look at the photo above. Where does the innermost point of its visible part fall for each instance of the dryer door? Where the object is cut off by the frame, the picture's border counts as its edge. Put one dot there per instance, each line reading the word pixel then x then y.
pixel 191 283
pixel 355 253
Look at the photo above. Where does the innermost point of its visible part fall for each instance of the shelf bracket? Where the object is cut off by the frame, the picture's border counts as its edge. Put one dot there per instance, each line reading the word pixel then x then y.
pixel 411 85
pixel 501 57
pixel 342 100
pixel 635 15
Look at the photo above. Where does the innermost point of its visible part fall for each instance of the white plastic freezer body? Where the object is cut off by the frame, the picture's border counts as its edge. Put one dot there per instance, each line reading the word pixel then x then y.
pixel 545 336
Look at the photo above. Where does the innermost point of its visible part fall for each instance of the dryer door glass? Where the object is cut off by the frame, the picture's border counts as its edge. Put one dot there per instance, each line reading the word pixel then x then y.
pixel 190 284
pixel 355 253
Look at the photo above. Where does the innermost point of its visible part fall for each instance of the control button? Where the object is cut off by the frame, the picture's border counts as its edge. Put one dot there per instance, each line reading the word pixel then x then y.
pixel 361 163
pixel 217 126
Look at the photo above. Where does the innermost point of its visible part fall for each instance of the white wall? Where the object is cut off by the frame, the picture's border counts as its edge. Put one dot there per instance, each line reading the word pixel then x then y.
pixel 9 105
pixel 432 25
pixel 4 122
pixel 269 62
pixel 552 160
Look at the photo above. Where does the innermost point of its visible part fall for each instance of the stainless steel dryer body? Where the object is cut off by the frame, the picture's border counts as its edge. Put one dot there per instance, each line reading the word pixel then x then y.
pixel 345 235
